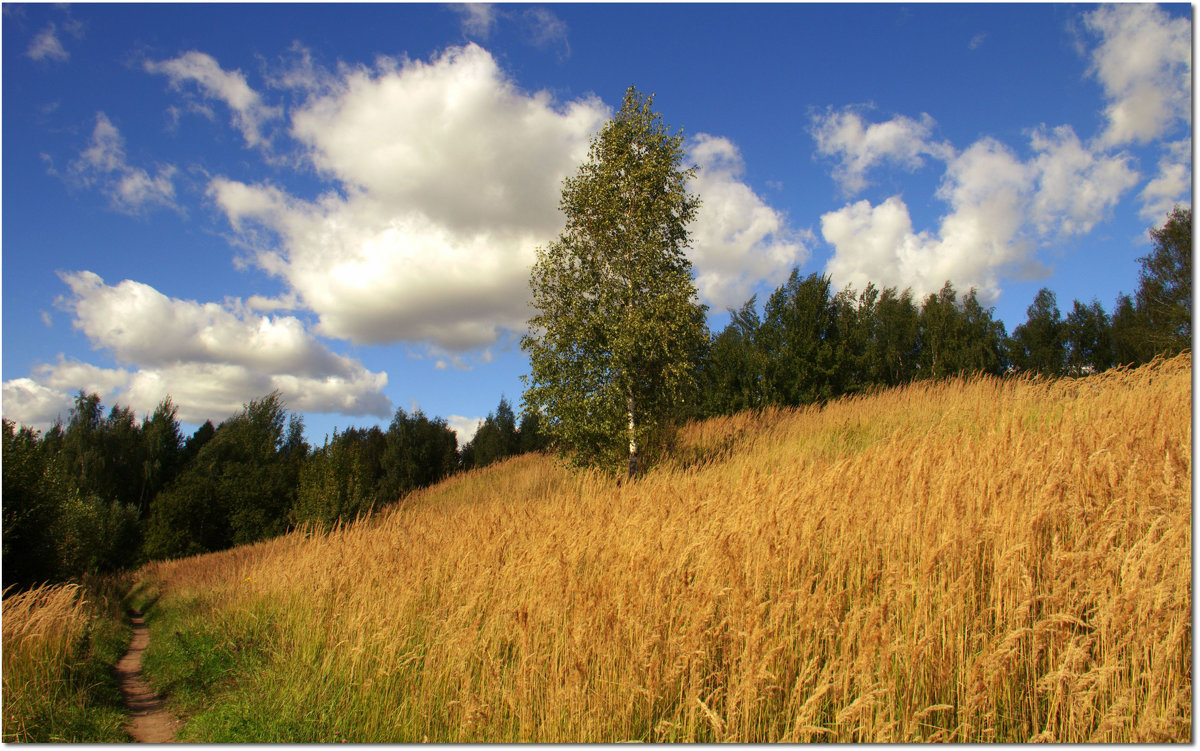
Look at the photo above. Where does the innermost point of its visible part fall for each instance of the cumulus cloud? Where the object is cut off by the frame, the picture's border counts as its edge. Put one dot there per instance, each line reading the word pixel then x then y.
pixel 987 188
pixel 444 177
pixel 857 146
pixel 208 358
pixel 1172 184
pixel 1077 187
pixel 1143 62
pixel 1000 208
pixel 47 46
pixel 28 402
pixel 737 239
pixel 249 111
pixel 130 189
pixel 450 179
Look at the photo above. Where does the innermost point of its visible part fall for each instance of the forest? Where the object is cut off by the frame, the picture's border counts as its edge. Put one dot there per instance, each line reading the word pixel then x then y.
pixel 103 491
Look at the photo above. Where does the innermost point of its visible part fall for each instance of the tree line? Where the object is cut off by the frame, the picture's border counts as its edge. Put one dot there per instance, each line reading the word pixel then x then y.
pixel 812 343
pixel 102 492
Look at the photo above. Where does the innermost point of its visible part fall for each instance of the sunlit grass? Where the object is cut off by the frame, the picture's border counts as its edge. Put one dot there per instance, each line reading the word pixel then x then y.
pixel 59 642
pixel 978 560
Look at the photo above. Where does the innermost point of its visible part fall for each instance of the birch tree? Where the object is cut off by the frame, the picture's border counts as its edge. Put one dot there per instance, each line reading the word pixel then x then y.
pixel 617 331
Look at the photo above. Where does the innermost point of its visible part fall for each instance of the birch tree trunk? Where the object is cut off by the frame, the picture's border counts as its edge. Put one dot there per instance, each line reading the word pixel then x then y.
pixel 632 467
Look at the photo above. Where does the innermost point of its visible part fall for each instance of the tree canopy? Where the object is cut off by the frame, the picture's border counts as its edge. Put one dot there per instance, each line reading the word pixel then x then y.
pixel 617 332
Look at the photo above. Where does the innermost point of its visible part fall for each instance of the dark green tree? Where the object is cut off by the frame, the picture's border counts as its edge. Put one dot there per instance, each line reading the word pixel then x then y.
pixel 495 439
pixel 897 341
pixel 1039 344
pixel 617 332
pixel 1089 339
pixel 240 488
pixel 419 452
pixel 798 337
pixel 335 483
pixel 733 376
pixel 530 436
pixel 30 511
pixel 982 339
pixel 942 334
pixel 1164 296
pixel 1129 344
pixel 162 453
pixel 857 323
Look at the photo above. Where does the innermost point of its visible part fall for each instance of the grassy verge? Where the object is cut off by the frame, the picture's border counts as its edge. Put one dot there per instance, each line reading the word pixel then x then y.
pixel 60 643
pixel 201 657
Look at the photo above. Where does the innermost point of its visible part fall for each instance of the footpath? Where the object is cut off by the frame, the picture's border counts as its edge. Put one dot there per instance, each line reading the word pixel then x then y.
pixel 149 721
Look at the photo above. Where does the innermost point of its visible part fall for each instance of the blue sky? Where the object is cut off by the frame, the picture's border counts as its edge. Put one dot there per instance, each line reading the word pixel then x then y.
pixel 342 202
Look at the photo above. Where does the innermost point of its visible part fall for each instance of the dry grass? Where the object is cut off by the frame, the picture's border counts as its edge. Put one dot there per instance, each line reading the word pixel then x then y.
pixel 982 560
pixel 58 643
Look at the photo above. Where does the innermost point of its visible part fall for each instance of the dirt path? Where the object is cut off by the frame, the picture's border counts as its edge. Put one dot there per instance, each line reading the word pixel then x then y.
pixel 149 722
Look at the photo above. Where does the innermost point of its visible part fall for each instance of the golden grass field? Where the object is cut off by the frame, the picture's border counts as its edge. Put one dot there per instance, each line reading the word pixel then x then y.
pixel 972 561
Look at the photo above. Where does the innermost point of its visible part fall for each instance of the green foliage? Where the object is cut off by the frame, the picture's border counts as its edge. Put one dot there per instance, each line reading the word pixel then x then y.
pixel 1164 295
pixel 1129 343
pixel 336 483
pixel 1089 339
pixel 733 376
pixel 896 345
pixel 419 451
pixel 93 535
pixel 30 511
pixel 617 332
pixel 239 488
pixel 814 345
pixel 530 436
pixel 496 438
pixel 162 445
pixel 800 338
pixel 1040 344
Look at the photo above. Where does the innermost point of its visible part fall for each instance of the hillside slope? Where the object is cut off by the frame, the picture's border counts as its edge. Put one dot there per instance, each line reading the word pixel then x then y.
pixel 982 560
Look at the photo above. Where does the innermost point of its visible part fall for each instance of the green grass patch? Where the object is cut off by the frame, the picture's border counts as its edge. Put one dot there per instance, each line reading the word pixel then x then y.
pixel 201 659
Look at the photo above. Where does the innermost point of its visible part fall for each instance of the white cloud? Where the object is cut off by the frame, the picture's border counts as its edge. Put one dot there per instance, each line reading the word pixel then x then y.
pixel 208 358
pixel 1172 184
pixel 858 147
pixel 450 179
pixel 737 239
pixel 1143 62
pixel 544 29
pixel 478 19
pixel 1000 209
pixel 28 402
pixel 47 46
pixel 464 428
pixel 1077 187
pixel 130 189
pixel 230 87
pixel 988 191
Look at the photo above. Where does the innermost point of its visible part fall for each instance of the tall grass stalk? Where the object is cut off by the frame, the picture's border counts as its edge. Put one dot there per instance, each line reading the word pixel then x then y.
pixel 59 643
pixel 970 561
